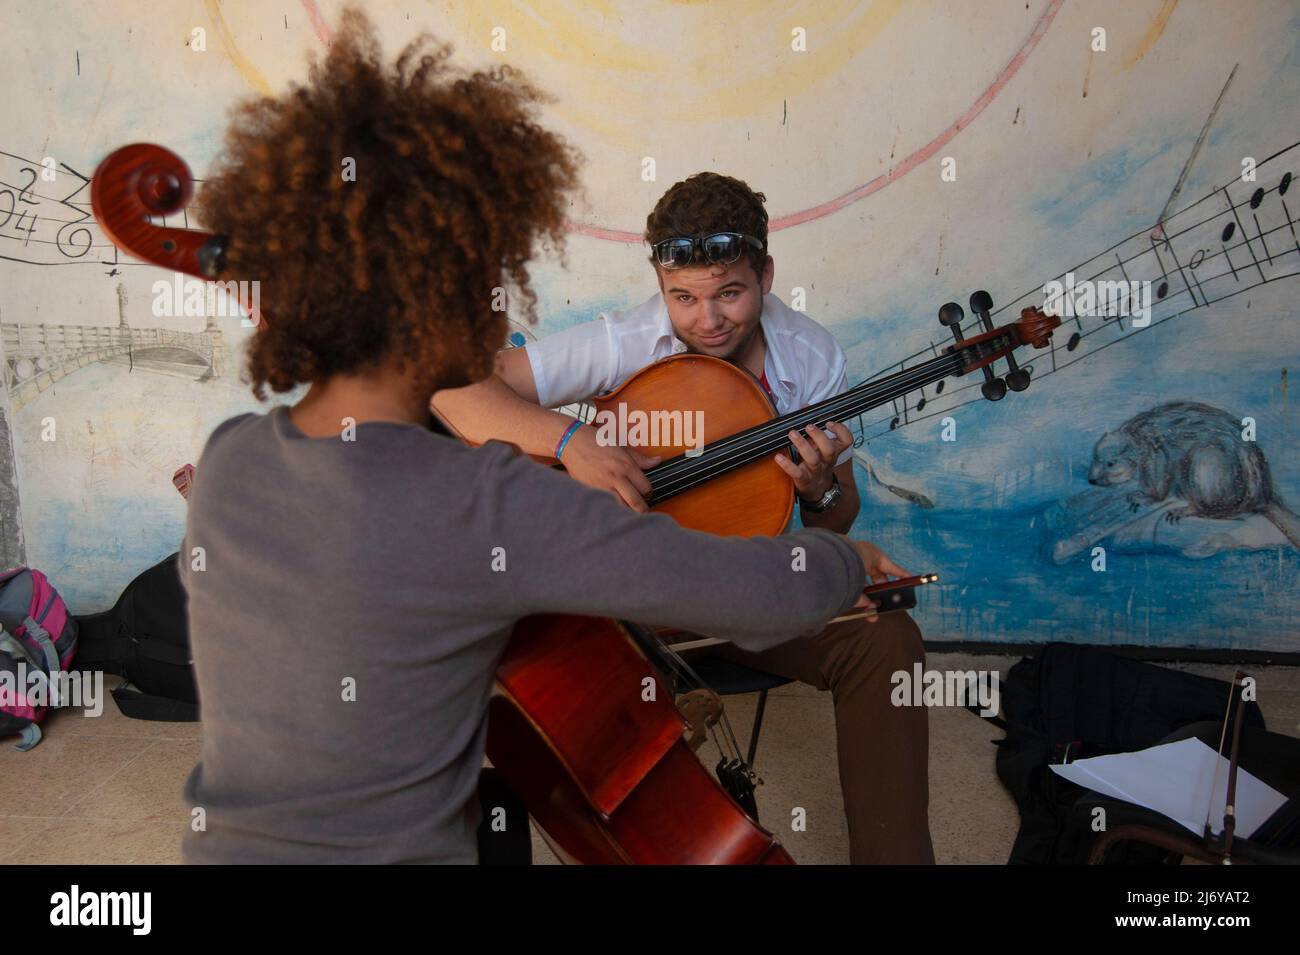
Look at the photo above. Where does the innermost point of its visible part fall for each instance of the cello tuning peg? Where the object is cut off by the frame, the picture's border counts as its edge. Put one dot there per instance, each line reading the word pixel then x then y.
pixel 980 303
pixel 1018 380
pixel 994 389
pixel 951 314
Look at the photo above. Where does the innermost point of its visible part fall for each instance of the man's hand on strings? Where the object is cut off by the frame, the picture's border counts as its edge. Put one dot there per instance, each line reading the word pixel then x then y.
pixel 815 471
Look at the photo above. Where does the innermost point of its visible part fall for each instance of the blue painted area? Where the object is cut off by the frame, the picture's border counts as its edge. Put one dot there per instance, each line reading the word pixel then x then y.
pixel 996 585
pixel 1001 488
pixel 570 314
pixel 1097 181
pixel 91 555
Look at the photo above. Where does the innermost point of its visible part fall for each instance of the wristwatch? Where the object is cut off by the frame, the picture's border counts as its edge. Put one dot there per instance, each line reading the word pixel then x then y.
pixel 827 501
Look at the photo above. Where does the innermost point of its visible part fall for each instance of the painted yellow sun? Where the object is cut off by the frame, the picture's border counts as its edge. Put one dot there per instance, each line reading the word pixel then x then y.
pixel 609 62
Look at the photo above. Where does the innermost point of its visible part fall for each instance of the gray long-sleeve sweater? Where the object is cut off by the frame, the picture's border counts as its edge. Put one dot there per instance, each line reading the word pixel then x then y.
pixel 349 601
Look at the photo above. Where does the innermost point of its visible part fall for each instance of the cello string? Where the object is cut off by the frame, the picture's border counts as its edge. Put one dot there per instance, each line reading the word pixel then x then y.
pixel 771 436
pixel 711 466
pixel 683 672
pixel 838 403
pixel 763 434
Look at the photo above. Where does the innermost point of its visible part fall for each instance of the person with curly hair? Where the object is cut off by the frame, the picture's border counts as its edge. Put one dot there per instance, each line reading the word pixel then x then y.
pixel 708 240
pixel 353 577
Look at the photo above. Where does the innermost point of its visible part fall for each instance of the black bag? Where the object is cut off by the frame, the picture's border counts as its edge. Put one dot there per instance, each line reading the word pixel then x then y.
pixel 145 638
pixel 1072 702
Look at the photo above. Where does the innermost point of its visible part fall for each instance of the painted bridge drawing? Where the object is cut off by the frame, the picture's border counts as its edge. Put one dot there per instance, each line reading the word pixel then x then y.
pixel 38 355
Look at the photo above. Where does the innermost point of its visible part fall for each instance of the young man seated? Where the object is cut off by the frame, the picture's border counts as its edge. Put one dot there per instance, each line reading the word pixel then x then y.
pixel 708 236
pixel 347 610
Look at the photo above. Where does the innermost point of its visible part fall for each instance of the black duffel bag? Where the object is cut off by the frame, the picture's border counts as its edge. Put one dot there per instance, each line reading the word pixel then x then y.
pixel 145 638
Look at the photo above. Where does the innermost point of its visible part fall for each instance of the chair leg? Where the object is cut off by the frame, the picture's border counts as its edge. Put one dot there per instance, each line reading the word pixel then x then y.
pixel 1175 844
pixel 758 725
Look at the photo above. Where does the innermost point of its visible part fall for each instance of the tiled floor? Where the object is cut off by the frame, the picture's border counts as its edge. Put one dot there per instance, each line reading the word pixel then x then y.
pixel 107 790
pixel 102 790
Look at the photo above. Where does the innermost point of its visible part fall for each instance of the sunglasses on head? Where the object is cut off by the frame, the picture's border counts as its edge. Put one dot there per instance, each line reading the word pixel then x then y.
pixel 720 248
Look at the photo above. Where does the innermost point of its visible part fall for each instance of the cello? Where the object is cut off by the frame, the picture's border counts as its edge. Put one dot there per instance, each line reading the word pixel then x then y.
pixel 600 764
pixel 732 486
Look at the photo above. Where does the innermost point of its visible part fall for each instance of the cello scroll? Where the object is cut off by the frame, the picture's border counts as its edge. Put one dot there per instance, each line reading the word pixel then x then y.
pixel 142 180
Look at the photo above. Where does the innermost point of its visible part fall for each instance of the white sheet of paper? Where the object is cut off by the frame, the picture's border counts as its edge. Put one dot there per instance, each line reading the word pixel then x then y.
pixel 1175 779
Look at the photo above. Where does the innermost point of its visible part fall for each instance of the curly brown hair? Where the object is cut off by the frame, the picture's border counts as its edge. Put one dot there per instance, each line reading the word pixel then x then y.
pixel 709 202
pixel 454 185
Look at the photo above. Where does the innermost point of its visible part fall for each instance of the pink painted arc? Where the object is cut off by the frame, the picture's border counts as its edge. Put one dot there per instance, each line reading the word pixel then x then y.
pixel 324 34
pixel 318 24
pixel 903 168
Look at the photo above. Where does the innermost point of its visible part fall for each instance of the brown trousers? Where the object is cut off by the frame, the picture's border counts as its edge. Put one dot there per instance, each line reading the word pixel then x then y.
pixel 883 749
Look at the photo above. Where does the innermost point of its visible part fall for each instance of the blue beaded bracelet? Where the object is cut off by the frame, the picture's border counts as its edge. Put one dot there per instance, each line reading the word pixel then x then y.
pixel 568 433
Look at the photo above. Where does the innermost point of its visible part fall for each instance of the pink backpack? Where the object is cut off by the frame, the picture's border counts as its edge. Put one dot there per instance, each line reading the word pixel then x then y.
pixel 38 638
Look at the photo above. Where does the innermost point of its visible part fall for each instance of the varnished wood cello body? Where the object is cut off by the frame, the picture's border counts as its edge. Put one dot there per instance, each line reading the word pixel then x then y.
pixel 755 498
pixel 606 773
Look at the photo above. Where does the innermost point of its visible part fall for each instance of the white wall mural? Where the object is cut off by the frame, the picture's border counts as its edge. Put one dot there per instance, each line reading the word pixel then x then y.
pixel 1143 489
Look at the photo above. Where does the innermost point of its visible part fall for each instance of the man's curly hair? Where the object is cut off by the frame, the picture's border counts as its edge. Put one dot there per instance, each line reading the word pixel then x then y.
pixel 454 185
pixel 705 203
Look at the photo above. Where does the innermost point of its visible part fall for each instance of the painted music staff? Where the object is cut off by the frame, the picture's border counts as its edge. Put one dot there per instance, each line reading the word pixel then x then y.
pixel 1231 240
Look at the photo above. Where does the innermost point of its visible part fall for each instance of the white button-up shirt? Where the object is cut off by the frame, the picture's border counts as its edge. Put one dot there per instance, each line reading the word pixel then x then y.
pixel 804 363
